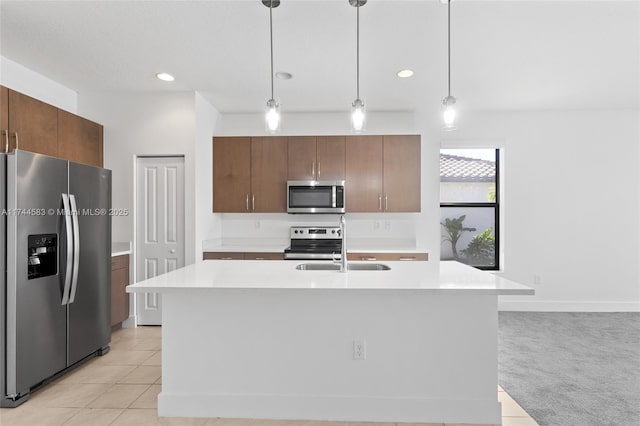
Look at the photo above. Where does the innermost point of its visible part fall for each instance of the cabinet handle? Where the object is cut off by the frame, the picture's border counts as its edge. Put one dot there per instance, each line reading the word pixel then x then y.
pixel 379 201
pixel 253 202
pixel 313 169
pixel 407 258
pixel 226 258
pixel 6 140
pixel 247 201
pixel 15 134
pixel 368 258
pixel 386 202
pixel 318 170
pixel 259 258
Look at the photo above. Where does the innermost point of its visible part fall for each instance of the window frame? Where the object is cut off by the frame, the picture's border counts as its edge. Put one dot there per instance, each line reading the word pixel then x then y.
pixel 495 205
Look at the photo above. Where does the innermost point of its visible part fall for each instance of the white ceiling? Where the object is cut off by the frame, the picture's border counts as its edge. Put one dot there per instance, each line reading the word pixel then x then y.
pixel 505 54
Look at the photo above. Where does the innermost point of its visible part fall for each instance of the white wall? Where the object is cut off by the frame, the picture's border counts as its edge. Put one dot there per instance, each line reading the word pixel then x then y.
pixel 23 80
pixel 144 124
pixel 207 225
pixel 571 211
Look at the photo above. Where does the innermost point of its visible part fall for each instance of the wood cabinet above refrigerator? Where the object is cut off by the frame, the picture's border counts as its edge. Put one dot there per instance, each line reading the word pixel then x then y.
pixel 35 126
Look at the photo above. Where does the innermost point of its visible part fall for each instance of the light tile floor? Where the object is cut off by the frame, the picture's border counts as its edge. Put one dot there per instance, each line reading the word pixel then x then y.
pixel 121 388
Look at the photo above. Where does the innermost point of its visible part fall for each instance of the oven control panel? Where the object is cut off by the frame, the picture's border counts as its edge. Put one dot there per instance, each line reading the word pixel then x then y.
pixel 315 232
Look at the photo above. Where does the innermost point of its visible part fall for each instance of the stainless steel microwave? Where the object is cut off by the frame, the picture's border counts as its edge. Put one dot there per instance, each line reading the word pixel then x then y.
pixel 315 196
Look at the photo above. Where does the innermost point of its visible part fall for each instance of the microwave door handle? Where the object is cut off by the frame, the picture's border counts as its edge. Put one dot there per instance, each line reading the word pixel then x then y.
pixel 333 196
pixel 69 257
pixel 76 248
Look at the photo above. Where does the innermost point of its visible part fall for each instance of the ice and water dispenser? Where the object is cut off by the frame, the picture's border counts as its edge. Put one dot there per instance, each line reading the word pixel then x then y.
pixel 43 259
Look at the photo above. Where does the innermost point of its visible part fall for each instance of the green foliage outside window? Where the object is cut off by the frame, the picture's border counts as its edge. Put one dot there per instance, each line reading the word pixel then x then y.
pixel 481 250
pixel 455 229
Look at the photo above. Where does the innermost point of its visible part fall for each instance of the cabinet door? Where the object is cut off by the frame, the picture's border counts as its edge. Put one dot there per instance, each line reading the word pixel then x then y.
pixel 263 256
pixel 4 119
pixel 388 256
pixel 79 139
pixel 330 158
pixel 401 173
pixel 222 255
pixel 119 296
pixel 231 174
pixel 269 174
pixel 363 185
pixel 301 157
pixel 34 122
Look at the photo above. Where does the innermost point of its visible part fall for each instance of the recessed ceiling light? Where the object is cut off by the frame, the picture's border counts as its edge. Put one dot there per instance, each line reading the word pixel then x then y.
pixel 405 73
pixel 165 77
pixel 282 75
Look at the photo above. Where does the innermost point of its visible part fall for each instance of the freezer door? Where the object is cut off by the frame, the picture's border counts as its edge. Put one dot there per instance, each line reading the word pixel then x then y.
pixel 35 315
pixel 90 309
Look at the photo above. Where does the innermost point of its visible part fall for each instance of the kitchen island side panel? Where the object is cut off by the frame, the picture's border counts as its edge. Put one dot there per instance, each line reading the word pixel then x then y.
pixel 289 354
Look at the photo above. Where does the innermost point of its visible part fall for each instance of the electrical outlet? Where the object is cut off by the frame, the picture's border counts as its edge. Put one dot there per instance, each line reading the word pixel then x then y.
pixel 537 279
pixel 257 224
pixel 387 225
pixel 376 225
pixel 359 350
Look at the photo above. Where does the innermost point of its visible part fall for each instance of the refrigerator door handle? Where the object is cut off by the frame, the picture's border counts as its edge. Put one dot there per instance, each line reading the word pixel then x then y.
pixel 69 258
pixel 76 248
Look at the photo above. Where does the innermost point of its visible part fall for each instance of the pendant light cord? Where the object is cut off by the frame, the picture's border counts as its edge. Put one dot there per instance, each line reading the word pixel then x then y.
pixel 358 50
pixel 449 43
pixel 271 37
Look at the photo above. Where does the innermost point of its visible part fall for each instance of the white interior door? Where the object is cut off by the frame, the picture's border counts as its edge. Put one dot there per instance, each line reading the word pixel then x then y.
pixel 159 227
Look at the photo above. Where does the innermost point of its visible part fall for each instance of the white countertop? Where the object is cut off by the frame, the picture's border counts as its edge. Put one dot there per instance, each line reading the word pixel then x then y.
pixel 436 277
pixel 120 248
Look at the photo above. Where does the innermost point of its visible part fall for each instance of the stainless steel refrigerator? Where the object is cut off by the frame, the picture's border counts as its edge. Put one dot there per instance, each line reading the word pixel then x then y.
pixel 55 258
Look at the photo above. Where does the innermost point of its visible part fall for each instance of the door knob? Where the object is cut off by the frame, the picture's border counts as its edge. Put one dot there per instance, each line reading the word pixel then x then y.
pixel 172 251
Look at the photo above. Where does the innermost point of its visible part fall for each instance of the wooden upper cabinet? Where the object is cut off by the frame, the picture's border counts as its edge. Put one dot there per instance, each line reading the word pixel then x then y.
pixel 269 174
pixel 316 157
pixel 4 119
pixel 330 158
pixel 383 173
pixel 401 173
pixel 231 174
pixel 79 139
pixel 33 123
pixel 301 153
pixel 363 187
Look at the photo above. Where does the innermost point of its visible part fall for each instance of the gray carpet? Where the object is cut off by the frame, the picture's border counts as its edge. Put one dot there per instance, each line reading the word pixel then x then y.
pixel 572 369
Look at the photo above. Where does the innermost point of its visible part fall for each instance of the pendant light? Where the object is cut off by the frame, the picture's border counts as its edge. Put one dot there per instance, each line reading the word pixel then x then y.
pixel 449 102
pixel 272 116
pixel 358 115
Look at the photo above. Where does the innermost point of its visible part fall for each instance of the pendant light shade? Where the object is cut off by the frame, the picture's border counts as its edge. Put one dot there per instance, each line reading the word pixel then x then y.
pixel 357 116
pixel 448 103
pixel 272 116
pixel 358 113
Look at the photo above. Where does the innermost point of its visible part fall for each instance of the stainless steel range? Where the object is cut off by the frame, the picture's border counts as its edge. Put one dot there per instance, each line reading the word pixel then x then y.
pixel 314 242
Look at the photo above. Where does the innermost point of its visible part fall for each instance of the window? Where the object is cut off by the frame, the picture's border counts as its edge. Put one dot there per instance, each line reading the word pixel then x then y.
pixel 470 206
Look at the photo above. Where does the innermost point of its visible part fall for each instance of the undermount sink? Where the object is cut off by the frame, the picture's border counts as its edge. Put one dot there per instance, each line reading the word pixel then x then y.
pixel 336 267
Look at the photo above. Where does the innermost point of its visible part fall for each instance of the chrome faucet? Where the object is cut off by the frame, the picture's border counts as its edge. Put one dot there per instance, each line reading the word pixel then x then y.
pixel 343 251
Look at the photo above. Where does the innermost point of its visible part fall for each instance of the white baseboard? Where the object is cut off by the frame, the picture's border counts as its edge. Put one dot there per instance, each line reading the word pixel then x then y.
pixel 130 322
pixel 332 408
pixel 567 306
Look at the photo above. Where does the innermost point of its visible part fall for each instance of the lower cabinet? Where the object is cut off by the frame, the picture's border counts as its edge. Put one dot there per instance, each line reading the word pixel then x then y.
pixel 119 296
pixel 389 257
pixel 221 255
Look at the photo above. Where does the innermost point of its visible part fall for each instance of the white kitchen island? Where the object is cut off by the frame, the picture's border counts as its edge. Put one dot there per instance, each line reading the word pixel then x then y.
pixel 260 339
